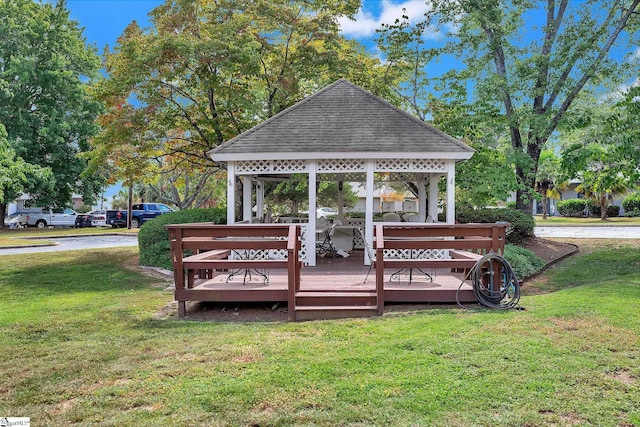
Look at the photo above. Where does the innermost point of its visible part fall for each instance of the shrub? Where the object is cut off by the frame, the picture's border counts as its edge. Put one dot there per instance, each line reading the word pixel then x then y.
pixel 572 207
pixel 631 202
pixel 153 238
pixel 521 223
pixel 594 208
pixel 524 262
pixel 355 214
pixel 633 213
pixel 511 204
pixel 613 211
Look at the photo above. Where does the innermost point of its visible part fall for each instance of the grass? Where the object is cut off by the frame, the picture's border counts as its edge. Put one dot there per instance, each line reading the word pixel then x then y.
pixel 567 221
pixel 28 236
pixel 81 345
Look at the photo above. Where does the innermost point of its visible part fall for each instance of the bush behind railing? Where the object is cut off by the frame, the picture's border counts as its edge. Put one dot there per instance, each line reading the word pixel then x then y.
pixel 521 223
pixel 153 238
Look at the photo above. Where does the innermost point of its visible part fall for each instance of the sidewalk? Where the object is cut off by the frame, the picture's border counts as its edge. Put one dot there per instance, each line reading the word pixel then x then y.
pixel 596 232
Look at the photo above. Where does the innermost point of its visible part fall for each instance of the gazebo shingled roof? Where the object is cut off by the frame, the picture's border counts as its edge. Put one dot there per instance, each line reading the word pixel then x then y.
pixel 339 132
pixel 341 118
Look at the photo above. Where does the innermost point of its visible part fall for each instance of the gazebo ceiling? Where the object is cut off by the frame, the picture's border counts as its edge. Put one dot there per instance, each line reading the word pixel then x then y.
pixel 341 121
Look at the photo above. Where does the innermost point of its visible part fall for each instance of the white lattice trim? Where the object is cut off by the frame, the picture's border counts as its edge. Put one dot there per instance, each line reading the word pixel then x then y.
pixel 341 165
pixel 289 165
pixel 253 166
pixel 274 166
pixel 416 253
pixel 411 165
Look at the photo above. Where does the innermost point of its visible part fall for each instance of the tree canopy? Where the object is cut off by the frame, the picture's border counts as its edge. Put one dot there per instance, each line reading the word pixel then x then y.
pixel 523 86
pixel 16 175
pixel 603 153
pixel 205 71
pixel 44 107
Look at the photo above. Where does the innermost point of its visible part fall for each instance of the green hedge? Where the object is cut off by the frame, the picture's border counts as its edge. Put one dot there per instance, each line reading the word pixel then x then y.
pixel 572 207
pixel 613 211
pixel 594 209
pixel 521 223
pixel 633 213
pixel 153 238
pixel 524 262
pixel 631 202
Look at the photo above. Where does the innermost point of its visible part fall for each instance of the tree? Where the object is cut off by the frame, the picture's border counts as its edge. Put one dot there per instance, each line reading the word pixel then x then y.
pixel 189 190
pixel 547 179
pixel 599 172
pixel 524 86
pixel 207 70
pixel 44 66
pixel 16 174
pixel 604 152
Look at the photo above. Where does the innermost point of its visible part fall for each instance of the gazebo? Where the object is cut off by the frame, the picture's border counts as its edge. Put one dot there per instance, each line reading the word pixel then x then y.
pixel 341 133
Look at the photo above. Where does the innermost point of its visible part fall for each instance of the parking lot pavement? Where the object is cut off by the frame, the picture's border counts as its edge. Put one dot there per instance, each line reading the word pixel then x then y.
pixel 598 232
pixel 75 243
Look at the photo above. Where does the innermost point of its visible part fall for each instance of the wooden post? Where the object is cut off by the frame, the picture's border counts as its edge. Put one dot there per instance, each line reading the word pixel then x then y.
pixel 379 246
pixel 292 273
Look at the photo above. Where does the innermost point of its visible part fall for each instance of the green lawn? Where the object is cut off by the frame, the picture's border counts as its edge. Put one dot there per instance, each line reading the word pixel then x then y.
pixel 81 345
pixel 566 221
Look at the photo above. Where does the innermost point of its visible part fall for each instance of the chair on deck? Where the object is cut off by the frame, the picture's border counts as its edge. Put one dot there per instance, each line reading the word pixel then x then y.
pixel 327 246
pixel 370 253
pixel 391 217
pixel 411 218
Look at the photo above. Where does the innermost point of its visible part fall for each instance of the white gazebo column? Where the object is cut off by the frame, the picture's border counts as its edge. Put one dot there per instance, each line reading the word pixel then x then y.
pixel 368 209
pixel 311 228
pixel 433 196
pixel 422 199
pixel 260 199
pixel 246 199
pixel 451 185
pixel 231 193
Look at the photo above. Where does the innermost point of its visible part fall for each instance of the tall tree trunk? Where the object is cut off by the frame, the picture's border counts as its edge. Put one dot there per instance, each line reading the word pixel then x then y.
pixel 129 206
pixel 3 212
pixel 603 208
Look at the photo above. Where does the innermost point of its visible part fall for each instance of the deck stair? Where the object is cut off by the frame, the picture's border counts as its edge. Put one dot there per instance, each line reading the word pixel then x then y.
pixel 334 304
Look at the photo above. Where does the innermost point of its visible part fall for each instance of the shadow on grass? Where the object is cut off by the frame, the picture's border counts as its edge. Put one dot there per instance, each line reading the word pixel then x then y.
pixel 65 272
pixel 602 267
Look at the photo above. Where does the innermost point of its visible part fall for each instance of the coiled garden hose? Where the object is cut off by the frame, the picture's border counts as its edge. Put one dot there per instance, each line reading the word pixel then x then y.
pixel 483 277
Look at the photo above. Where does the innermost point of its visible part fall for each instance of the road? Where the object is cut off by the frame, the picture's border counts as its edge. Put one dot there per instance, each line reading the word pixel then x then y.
pixel 599 232
pixel 75 243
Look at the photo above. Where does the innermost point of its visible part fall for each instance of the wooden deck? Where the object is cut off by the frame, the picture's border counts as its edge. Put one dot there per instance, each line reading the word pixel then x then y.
pixel 244 264
pixel 335 275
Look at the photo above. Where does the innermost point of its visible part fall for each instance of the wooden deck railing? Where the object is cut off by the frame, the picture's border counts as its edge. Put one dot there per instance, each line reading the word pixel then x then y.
pixel 461 245
pixel 213 244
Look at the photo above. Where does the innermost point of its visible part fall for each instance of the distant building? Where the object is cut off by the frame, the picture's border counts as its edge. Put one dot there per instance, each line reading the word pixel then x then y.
pixel 23 203
pixel 569 192
pixel 385 200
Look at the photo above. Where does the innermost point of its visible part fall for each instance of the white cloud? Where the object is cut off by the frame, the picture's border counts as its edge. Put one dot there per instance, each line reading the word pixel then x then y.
pixel 621 90
pixel 366 24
